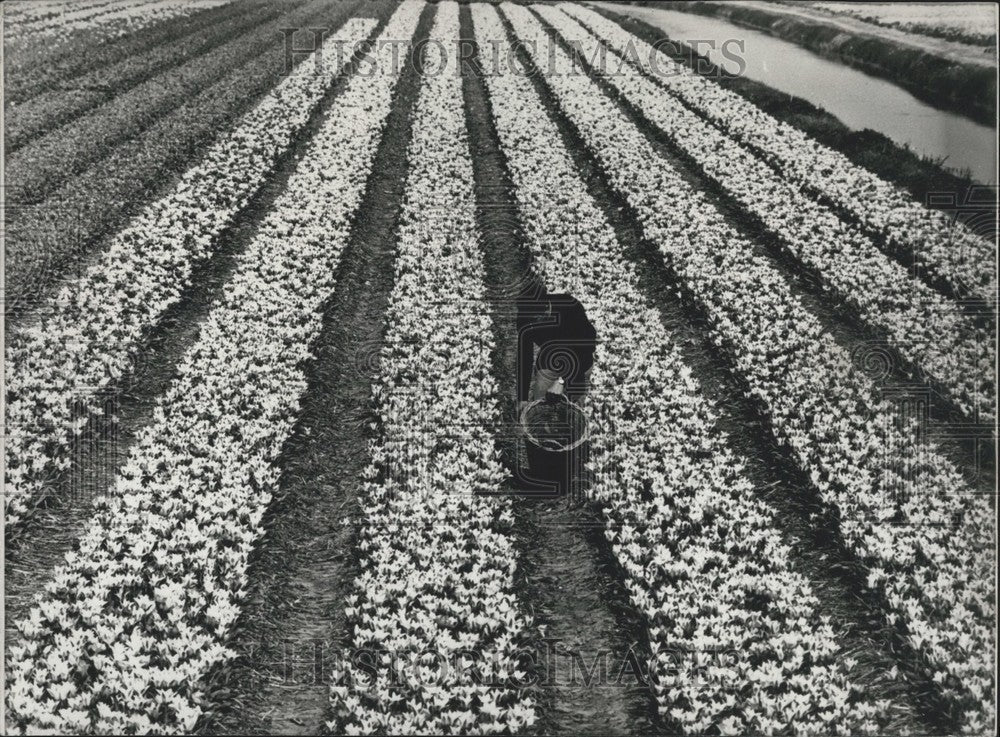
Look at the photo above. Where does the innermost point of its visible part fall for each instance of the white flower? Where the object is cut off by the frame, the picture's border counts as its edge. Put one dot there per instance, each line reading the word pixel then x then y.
pixel 828 414
pixel 202 472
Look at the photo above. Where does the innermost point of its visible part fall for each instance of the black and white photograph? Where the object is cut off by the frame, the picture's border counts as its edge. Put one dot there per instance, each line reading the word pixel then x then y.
pixel 518 367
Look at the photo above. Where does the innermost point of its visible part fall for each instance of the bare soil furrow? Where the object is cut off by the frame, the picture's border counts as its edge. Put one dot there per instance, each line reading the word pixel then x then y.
pixel 967 444
pixel 881 660
pixel 567 570
pixel 73 98
pixel 293 624
pixel 57 238
pixel 106 442
pixel 34 65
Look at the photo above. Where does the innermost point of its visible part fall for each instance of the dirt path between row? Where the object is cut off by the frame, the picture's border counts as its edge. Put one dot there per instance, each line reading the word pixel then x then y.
pixel 293 625
pixel 567 573
pixel 54 241
pixel 817 552
pixel 55 528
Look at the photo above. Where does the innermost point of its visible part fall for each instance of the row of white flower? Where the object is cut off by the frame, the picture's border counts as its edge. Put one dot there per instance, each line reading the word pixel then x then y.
pixel 89 332
pixel 903 509
pixel 927 329
pixel 437 562
pixel 704 562
pixel 124 634
pixel 940 246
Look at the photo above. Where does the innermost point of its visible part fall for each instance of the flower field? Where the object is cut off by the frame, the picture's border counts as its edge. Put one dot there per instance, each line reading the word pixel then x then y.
pixel 146 624
pixel 696 515
pixel 919 323
pixel 137 279
pixel 437 566
pixel 858 481
pixel 939 247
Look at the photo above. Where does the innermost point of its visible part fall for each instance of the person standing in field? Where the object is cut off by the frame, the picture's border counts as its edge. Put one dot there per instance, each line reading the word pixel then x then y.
pixel 555 347
pixel 555 341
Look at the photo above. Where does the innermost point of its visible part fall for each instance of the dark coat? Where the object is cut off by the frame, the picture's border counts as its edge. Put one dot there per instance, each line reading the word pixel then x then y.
pixel 557 324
